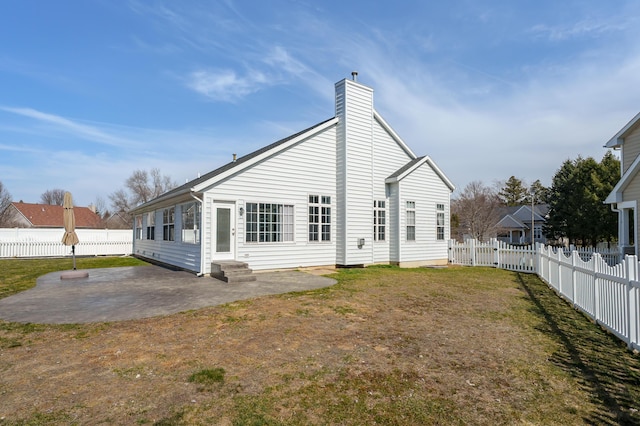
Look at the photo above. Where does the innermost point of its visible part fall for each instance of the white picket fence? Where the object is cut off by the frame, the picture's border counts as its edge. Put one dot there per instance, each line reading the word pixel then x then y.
pixel 606 291
pixel 34 242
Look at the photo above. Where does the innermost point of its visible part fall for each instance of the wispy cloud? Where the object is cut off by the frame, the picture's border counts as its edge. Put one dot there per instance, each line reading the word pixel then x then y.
pixel 225 85
pixel 583 28
pixel 66 125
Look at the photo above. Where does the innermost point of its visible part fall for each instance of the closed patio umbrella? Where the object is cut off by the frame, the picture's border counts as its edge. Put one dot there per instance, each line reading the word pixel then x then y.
pixel 70 237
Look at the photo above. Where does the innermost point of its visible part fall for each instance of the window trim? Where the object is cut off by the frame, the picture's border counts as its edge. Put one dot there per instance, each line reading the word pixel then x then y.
pixel 169 224
pixel 267 223
pixel 440 227
pixel 319 218
pixel 138 221
pixel 410 225
pixel 195 228
pixel 151 225
pixel 379 220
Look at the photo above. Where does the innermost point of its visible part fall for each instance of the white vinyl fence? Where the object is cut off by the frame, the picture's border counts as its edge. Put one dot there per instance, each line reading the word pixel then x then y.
pixel 34 242
pixel 606 291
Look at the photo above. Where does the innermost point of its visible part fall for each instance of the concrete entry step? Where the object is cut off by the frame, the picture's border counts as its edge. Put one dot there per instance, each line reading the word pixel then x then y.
pixel 232 271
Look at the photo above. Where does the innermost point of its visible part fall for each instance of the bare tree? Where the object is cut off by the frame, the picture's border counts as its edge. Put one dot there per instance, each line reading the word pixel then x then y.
pixel 53 197
pixel 140 187
pixel 477 209
pixel 6 218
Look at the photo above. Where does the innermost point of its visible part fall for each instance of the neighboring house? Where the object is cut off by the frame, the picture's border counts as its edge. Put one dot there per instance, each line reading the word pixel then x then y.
pixel 27 215
pixel 347 191
pixel 117 221
pixel 514 226
pixel 625 195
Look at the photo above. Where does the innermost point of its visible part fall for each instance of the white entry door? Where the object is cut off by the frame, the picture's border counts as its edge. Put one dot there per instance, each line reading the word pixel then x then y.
pixel 224 231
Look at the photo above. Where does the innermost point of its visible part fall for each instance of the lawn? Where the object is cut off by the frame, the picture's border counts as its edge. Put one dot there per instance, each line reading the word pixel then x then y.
pixel 383 346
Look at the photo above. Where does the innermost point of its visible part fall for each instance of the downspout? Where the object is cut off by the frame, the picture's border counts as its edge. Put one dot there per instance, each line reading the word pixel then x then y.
pixel 200 273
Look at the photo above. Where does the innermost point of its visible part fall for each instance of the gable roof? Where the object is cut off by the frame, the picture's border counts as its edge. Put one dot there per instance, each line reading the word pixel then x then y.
pixel 615 196
pixel 393 134
pixel 510 222
pixel 618 138
pixel 412 165
pixel 517 217
pixel 208 179
pixel 48 216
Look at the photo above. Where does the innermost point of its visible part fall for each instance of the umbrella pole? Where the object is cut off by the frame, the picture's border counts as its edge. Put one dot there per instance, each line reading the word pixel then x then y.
pixel 73 252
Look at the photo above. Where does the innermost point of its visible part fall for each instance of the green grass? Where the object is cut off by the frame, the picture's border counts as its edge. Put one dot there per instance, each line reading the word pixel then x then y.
pixel 384 346
pixel 17 275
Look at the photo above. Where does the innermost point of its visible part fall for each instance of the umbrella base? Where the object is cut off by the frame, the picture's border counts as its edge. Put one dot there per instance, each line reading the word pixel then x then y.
pixel 70 275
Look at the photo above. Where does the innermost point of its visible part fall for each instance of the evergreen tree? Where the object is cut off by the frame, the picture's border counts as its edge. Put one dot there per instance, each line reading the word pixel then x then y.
pixel 540 193
pixel 513 193
pixel 576 201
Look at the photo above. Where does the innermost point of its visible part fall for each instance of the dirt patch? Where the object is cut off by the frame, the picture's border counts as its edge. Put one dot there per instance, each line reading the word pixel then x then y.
pixel 386 346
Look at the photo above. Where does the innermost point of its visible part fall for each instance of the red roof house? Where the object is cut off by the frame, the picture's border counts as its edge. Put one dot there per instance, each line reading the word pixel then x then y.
pixel 29 215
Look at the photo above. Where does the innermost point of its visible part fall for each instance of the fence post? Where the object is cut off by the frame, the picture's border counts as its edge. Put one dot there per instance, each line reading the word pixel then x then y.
pixel 632 276
pixel 596 292
pixel 574 276
pixel 472 251
pixel 496 253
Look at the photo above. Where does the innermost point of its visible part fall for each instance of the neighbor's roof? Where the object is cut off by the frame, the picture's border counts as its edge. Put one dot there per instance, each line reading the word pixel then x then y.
pixel 48 216
pixel 510 222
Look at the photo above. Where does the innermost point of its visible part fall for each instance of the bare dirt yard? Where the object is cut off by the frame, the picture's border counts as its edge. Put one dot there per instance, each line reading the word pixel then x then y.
pixel 383 346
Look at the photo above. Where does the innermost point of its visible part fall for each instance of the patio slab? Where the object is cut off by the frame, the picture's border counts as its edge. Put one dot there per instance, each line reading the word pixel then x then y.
pixel 117 294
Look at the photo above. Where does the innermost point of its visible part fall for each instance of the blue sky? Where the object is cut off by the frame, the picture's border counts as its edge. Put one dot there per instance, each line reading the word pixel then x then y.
pixel 91 90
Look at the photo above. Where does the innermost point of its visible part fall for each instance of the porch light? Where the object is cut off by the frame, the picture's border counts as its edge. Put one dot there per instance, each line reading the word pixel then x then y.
pixel 241 211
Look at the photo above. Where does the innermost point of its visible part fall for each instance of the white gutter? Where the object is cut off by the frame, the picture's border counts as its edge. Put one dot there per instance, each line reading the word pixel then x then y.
pixel 200 273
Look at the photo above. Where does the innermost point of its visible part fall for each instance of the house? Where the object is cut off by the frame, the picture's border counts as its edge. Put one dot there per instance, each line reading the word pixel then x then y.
pixel 347 191
pixel 118 220
pixel 28 215
pixel 514 226
pixel 625 195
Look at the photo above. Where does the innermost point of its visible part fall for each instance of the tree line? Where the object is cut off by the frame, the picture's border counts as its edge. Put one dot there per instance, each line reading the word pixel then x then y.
pixel 575 201
pixel 140 187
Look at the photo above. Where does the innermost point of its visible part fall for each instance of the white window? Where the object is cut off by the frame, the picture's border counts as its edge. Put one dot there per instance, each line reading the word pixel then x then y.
pixel 138 222
pixel 268 223
pixel 319 218
pixel 411 220
pixel 168 224
pixel 191 223
pixel 440 221
pixel 379 220
pixel 151 226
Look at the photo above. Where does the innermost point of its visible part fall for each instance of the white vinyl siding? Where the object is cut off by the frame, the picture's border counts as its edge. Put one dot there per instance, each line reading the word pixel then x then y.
pixel 288 178
pixel 355 186
pixel 182 255
pixel 388 157
pixel 426 188
pixel 630 149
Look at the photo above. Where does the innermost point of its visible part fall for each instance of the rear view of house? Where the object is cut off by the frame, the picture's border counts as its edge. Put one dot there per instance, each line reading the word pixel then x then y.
pixel 347 191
